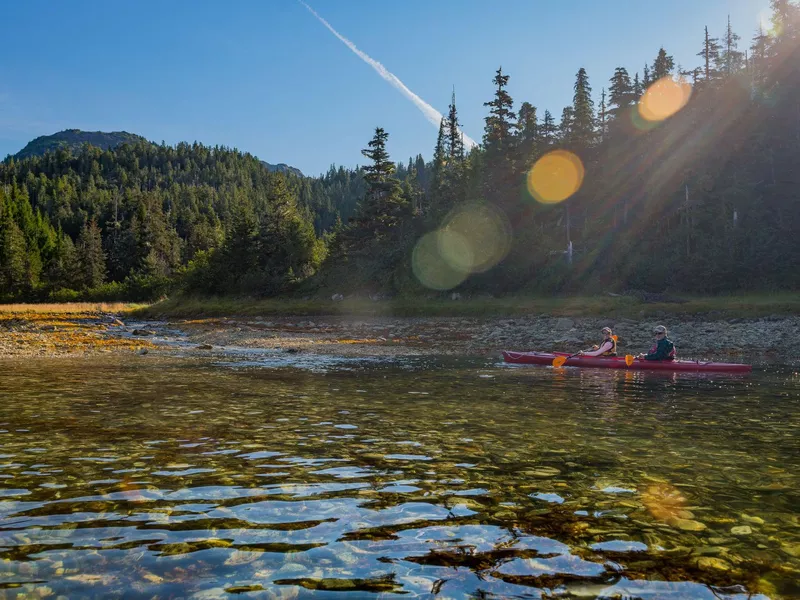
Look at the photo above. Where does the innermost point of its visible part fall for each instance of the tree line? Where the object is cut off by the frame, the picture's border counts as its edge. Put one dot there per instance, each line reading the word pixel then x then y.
pixel 703 200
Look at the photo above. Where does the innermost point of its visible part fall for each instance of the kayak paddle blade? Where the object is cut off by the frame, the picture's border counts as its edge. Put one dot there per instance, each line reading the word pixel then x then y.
pixel 615 338
pixel 559 361
pixel 629 359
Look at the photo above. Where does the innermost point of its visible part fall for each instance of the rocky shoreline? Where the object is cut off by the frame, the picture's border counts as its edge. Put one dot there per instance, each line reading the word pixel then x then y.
pixel 70 335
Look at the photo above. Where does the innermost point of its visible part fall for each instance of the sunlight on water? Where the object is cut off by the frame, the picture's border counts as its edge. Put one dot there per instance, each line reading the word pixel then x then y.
pixel 168 478
pixel 555 177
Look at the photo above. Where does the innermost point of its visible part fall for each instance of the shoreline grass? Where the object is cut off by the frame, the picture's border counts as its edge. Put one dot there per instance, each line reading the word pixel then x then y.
pixel 716 307
pixel 71 308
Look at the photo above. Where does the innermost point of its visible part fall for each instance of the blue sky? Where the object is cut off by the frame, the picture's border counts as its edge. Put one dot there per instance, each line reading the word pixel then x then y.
pixel 266 77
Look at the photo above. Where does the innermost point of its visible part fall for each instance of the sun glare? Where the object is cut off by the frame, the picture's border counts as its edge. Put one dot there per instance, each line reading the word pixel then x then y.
pixel 475 238
pixel 664 98
pixel 555 177
pixel 471 239
pixel 431 268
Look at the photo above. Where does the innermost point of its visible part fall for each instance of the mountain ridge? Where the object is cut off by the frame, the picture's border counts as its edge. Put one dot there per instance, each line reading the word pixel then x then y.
pixel 74 139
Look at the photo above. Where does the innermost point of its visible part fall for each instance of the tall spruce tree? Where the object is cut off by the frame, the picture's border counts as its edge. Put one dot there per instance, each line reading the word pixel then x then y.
pixel 91 258
pixel 439 163
pixel 527 133
pixel 12 254
pixel 455 140
pixel 384 204
pixel 759 49
pixel 549 128
pixel 710 56
pixel 602 115
pixel 63 270
pixel 731 59
pixel 638 88
pixel 621 94
pixel 527 123
pixel 663 65
pixel 497 133
pixel 565 127
pixel 583 122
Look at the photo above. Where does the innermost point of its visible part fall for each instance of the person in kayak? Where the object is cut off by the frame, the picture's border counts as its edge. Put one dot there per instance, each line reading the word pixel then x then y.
pixel 663 349
pixel 608 347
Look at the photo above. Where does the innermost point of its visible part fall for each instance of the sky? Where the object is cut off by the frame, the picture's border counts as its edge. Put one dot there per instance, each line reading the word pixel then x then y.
pixel 267 77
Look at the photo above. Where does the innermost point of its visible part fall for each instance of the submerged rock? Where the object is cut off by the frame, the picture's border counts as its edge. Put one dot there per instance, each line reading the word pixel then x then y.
pixel 686 524
pixel 712 563
pixel 741 530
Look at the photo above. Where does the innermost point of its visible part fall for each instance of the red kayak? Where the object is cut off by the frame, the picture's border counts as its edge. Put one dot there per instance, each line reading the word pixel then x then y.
pixel 618 362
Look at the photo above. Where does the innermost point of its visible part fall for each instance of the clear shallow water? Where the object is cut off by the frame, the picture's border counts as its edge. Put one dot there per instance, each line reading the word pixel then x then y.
pixel 167 478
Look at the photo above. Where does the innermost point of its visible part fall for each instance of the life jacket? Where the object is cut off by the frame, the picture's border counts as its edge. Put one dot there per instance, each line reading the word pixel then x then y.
pixel 613 351
pixel 670 345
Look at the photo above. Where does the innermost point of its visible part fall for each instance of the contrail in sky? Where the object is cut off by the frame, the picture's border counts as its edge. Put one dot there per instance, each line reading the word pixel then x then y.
pixel 433 115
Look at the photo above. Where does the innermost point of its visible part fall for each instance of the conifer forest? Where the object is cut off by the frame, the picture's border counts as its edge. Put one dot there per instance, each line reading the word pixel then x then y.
pixel 657 177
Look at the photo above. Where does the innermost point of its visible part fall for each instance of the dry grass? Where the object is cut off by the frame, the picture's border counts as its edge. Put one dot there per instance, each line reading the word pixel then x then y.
pixel 63 329
pixel 72 308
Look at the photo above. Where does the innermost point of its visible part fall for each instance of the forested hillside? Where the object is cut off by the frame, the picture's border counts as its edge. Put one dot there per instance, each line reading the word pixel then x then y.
pixel 74 139
pixel 668 178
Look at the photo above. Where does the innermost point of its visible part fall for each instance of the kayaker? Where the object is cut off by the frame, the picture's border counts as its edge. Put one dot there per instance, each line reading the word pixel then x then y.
pixel 608 347
pixel 663 349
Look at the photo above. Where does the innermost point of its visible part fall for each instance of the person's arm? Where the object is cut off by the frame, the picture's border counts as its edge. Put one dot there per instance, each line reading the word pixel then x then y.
pixel 604 347
pixel 661 352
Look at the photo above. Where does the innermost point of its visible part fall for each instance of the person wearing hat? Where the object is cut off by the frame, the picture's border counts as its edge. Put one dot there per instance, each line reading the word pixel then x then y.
pixel 663 349
pixel 608 347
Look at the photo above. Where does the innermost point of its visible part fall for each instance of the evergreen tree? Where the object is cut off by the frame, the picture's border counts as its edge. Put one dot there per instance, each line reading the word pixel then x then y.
pixel 602 115
pixel 583 118
pixel 638 88
pixel 646 80
pixel 384 204
pixel 527 133
pixel 663 65
pixel 63 270
pixel 621 94
pixel 438 166
pixel 731 59
pixel 91 258
pixel 549 128
pixel 527 125
pixel 759 49
pixel 12 255
pixel 498 175
pixel 455 140
pixel 710 56
pixel 565 127
pixel 497 133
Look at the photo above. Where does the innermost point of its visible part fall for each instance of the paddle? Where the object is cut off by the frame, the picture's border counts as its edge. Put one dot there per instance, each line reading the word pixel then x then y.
pixel 629 358
pixel 559 361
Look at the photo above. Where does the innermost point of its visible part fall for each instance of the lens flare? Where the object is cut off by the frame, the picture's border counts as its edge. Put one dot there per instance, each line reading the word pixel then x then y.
pixel 430 267
pixel 475 238
pixel 641 123
pixel 555 177
pixel 664 98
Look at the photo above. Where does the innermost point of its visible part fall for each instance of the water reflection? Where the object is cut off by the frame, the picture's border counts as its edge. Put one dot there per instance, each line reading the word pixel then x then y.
pixel 169 478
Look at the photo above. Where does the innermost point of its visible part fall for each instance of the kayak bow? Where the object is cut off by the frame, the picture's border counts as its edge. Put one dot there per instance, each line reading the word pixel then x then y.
pixel 618 362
